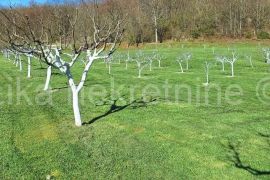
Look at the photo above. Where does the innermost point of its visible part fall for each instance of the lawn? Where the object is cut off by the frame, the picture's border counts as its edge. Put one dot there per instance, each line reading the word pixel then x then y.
pixel 165 125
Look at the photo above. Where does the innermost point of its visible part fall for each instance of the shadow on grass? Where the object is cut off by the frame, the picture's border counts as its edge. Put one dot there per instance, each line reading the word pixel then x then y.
pixel 114 108
pixel 40 68
pixel 236 159
pixel 64 87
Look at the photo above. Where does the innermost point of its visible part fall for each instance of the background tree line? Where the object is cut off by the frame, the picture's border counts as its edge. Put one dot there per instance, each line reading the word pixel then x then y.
pixel 159 20
pixel 182 19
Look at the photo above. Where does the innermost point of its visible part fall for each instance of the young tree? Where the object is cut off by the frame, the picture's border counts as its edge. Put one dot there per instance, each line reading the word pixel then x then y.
pixel 222 60
pixel 187 57
pixel 249 59
pixel 231 61
pixel 141 63
pixel 184 58
pixel 157 57
pixel 180 61
pixel 150 60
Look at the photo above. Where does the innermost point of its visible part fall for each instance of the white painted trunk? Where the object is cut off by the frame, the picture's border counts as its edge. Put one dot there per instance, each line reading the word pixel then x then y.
pixel 232 66
pixel 187 65
pixel 223 67
pixel 159 64
pixel 20 61
pixel 207 77
pixel 76 109
pixel 17 62
pixel 109 68
pixel 126 65
pixel 181 67
pixel 150 66
pixel 48 78
pixel 250 62
pixel 140 72
pixel 29 67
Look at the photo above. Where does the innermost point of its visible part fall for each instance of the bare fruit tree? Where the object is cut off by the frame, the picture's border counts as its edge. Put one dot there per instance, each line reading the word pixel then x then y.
pixel 249 59
pixel 180 61
pixel 187 57
pixel 29 38
pixel 141 63
pixel 157 57
pixel 232 61
pixel 184 58
pixel 222 60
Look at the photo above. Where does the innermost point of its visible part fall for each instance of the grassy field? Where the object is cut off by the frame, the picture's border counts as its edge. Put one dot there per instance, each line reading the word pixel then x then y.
pixel 140 128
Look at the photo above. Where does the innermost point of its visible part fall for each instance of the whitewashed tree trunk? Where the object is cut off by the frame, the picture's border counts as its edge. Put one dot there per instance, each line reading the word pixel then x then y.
pixel 110 67
pixel 268 57
pixel 76 108
pixel 207 76
pixel 249 58
pixel 17 60
pixel 128 58
pixel 20 63
pixel 139 69
pixel 207 67
pixel 48 78
pixel 140 72
pixel 187 65
pixel 232 68
pixel 126 65
pixel 29 67
pixel 181 67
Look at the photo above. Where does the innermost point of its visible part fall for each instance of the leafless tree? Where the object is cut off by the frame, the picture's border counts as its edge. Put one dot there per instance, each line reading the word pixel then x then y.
pixel 141 62
pixel 232 61
pixel 222 60
pixel 29 38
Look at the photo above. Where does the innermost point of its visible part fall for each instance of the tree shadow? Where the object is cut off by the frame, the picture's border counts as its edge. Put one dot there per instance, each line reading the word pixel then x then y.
pixel 236 159
pixel 114 108
pixel 64 87
pixel 39 68
pixel 59 88
pixel 56 74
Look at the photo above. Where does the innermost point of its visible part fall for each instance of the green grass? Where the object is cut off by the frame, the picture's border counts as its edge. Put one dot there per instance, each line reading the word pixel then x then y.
pixel 155 138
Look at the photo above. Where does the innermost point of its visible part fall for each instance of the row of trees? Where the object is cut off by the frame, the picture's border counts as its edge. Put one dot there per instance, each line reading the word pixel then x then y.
pixel 159 20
